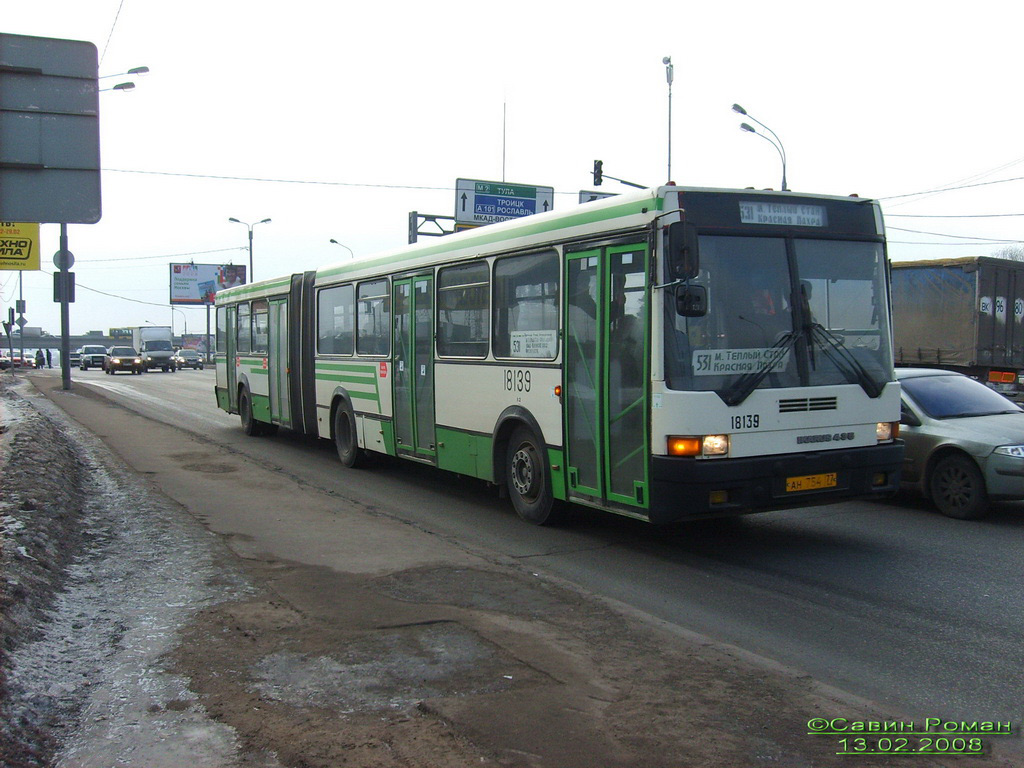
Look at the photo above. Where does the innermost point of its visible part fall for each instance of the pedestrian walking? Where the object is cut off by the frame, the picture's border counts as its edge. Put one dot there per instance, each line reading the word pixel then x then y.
pixel 49 358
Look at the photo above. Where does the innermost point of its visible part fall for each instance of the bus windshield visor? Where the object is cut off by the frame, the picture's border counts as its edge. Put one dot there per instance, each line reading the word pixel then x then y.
pixel 811 314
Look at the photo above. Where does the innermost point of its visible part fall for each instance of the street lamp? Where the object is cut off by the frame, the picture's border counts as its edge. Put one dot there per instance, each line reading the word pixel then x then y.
pixel 129 86
pixel 126 86
pixel 777 143
pixel 250 226
pixel 133 71
pixel 344 246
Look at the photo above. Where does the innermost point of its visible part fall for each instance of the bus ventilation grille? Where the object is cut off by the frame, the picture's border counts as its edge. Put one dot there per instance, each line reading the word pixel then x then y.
pixel 801 404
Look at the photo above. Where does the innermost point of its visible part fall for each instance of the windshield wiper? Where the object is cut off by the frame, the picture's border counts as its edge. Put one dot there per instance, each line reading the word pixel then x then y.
pixel 747 383
pixel 840 356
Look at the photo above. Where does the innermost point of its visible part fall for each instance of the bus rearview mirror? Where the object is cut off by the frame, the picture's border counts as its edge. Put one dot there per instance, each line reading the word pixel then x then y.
pixel 683 252
pixel 691 300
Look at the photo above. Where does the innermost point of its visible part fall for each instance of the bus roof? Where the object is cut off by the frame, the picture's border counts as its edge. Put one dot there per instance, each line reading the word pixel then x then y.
pixel 627 211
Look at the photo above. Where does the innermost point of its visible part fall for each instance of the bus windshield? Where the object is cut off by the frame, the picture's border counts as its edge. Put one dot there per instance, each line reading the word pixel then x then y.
pixel 782 312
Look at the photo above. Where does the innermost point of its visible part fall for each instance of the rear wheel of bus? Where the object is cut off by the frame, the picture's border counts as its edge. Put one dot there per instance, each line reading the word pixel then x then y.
pixel 345 439
pixel 249 424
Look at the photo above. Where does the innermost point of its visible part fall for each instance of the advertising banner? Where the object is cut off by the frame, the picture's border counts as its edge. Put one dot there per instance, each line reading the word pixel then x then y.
pixel 198 283
pixel 19 246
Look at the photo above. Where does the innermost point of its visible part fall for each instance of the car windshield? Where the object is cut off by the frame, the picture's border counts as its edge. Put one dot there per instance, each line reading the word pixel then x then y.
pixel 159 346
pixel 955 396
pixel 122 352
pixel 94 350
pixel 188 353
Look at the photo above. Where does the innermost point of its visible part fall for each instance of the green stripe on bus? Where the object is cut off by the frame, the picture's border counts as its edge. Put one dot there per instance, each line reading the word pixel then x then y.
pixel 352 373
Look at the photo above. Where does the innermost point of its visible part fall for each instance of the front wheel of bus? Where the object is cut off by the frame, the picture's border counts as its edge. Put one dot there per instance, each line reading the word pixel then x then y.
pixel 528 479
pixel 345 439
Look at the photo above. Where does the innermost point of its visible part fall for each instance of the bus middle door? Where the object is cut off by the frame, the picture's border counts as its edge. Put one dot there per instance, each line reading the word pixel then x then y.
pixel 414 368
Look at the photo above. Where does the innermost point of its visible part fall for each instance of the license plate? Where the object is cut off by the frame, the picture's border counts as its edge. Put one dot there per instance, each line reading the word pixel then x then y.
pixel 811 482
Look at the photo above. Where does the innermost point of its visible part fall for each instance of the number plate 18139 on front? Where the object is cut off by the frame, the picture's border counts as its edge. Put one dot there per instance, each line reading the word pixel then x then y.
pixel 811 482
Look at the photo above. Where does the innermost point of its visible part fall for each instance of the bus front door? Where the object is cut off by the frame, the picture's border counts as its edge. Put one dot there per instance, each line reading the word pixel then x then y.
pixel 414 368
pixel 606 375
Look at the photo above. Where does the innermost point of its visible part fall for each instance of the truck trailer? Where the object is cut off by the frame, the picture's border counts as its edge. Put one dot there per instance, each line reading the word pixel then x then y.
pixel 155 345
pixel 962 314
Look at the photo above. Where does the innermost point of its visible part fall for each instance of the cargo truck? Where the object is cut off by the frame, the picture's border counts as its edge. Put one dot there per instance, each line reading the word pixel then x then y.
pixel 155 344
pixel 962 314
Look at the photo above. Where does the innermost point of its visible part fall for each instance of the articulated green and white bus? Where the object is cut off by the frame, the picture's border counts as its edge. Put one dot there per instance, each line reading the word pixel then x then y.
pixel 667 355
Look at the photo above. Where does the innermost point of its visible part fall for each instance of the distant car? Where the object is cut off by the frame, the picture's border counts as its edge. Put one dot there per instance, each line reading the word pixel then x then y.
pixel 188 358
pixel 92 356
pixel 75 358
pixel 122 359
pixel 5 361
pixel 964 442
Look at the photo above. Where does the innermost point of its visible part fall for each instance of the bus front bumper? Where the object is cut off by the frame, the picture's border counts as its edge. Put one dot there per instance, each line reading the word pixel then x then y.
pixel 687 488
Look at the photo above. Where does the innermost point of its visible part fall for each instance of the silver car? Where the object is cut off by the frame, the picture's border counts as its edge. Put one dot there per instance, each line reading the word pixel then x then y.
pixel 964 442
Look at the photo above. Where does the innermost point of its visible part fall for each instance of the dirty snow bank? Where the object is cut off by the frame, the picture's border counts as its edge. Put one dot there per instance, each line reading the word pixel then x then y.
pixel 99 573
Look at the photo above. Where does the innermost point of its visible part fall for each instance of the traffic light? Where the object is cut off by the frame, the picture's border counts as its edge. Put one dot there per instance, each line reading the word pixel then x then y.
pixel 598 173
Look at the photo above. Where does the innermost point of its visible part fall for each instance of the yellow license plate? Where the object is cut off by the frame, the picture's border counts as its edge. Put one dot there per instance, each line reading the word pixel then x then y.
pixel 811 482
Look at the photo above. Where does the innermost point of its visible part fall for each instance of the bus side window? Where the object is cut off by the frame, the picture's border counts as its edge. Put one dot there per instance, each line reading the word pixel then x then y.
pixel 243 330
pixel 373 320
pixel 336 320
pixel 462 310
pixel 526 306
pixel 260 326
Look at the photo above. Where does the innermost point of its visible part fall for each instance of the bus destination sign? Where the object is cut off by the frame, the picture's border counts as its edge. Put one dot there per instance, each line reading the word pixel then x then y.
pixel 782 214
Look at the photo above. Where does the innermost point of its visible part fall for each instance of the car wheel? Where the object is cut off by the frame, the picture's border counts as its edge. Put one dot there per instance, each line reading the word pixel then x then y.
pixel 958 488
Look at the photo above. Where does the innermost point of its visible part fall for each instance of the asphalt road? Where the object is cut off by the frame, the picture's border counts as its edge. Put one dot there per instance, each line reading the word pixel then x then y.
pixel 891 602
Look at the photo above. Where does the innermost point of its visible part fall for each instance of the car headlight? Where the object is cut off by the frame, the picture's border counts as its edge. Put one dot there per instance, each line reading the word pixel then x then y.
pixel 1017 451
pixel 116 361
pixel 137 360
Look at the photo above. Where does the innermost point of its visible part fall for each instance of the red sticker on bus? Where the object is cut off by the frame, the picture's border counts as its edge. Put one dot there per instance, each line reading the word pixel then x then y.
pixel 383 370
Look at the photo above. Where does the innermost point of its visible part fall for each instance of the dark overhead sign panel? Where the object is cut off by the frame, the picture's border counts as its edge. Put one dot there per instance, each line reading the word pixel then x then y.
pixel 49 130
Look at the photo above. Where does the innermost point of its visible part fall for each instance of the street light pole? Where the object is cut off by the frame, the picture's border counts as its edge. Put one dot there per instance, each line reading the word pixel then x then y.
pixel 184 319
pixel 777 143
pixel 669 75
pixel 250 226
pixel 344 246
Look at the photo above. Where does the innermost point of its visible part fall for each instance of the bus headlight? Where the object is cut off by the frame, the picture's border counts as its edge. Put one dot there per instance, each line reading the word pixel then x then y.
pixel 716 445
pixel 887 431
pixel 706 445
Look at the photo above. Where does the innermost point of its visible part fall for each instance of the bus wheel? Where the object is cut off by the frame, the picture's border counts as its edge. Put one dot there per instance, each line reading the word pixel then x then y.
pixel 345 439
pixel 528 479
pixel 249 424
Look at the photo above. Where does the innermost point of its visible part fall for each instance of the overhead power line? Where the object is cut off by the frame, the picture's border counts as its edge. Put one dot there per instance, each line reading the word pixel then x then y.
pixel 957 237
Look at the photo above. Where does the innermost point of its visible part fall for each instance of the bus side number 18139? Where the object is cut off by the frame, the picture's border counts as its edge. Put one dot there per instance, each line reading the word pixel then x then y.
pixel 517 380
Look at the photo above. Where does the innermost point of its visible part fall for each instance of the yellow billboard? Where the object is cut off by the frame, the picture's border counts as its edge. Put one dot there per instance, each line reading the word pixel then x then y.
pixel 19 246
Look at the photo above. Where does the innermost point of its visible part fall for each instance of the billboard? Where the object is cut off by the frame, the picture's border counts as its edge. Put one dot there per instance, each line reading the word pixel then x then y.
pixel 197 283
pixel 19 246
